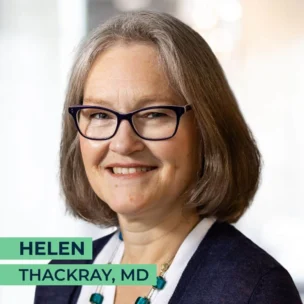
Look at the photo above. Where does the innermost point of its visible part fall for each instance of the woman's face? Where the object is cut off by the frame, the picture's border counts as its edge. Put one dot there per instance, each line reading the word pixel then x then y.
pixel 126 78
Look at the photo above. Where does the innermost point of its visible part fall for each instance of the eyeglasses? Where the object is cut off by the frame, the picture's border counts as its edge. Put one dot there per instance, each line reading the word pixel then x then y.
pixel 151 123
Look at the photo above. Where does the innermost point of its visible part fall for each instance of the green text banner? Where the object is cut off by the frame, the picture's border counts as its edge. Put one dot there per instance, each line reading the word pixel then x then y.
pixel 28 248
pixel 78 274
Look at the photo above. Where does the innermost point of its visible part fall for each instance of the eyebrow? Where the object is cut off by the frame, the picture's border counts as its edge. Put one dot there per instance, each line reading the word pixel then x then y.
pixel 140 103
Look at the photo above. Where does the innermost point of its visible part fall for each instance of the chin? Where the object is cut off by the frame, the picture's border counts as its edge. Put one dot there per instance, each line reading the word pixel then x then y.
pixel 126 207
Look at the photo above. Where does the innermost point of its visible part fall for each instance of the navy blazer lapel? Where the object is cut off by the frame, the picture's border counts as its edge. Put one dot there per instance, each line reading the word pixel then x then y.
pixel 75 295
pixel 194 266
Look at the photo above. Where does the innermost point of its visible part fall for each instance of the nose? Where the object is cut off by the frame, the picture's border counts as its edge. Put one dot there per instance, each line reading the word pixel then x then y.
pixel 126 141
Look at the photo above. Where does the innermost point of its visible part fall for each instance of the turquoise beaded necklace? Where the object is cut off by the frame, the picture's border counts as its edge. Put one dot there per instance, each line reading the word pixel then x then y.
pixel 97 297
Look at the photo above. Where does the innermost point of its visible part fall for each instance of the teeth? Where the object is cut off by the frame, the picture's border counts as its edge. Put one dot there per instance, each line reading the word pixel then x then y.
pixel 131 170
pixel 124 170
pixel 118 170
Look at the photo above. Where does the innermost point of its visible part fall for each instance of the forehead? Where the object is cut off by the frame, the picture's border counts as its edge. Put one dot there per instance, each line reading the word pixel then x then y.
pixel 126 74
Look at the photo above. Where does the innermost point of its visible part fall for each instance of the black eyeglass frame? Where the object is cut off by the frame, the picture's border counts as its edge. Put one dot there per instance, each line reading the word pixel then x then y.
pixel 179 110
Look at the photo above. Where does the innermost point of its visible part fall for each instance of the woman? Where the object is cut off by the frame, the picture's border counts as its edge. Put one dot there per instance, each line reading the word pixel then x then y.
pixel 163 152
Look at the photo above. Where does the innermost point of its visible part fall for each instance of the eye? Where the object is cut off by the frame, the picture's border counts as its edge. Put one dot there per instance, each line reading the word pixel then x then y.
pixel 154 115
pixel 99 115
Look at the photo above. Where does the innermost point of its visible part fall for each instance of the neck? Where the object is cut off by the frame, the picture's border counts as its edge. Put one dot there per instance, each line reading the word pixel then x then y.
pixel 156 242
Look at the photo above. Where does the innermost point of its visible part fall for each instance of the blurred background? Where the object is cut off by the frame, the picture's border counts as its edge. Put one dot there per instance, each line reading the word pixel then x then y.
pixel 260 45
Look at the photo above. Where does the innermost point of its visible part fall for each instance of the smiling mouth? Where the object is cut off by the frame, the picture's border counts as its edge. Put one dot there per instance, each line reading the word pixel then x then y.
pixel 131 170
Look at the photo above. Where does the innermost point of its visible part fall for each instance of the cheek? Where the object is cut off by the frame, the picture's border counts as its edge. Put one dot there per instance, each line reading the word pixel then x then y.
pixel 180 163
pixel 92 152
pixel 178 155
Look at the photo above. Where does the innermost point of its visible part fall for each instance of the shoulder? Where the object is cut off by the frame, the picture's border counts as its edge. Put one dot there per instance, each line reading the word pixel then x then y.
pixel 235 248
pixel 227 260
pixel 251 266
pixel 275 285
pixel 64 294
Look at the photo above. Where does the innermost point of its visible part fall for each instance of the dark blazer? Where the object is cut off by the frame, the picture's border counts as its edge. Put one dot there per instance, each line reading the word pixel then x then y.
pixel 226 268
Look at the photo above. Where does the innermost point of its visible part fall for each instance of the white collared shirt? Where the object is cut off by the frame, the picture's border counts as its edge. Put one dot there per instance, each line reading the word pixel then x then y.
pixel 173 274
